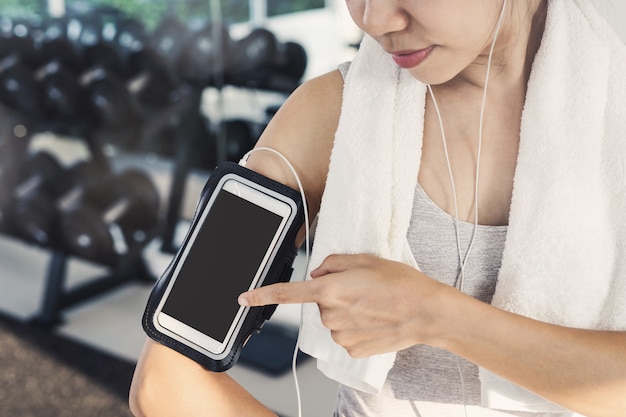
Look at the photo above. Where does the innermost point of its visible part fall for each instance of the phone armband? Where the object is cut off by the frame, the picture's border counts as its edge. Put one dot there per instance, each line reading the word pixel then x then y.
pixel 184 310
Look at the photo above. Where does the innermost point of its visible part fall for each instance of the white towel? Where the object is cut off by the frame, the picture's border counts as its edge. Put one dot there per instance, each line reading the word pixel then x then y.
pixel 365 208
pixel 564 261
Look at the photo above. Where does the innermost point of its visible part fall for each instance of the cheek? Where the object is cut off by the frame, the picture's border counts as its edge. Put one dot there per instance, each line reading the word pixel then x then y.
pixel 356 9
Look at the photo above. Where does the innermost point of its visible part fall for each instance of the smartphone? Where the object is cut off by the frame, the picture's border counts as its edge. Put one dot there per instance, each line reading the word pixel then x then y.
pixel 228 250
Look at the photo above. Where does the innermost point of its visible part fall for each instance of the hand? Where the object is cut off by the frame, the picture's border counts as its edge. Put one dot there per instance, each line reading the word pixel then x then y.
pixel 371 305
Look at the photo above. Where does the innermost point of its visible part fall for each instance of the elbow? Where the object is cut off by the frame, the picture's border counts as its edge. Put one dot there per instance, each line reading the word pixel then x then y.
pixel 137 397
pixel 134 401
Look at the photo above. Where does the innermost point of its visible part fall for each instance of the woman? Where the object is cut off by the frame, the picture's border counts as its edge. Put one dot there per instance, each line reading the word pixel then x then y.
pixel 454 85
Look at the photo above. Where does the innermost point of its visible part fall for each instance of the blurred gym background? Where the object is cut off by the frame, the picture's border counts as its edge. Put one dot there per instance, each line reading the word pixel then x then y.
pixel 112 115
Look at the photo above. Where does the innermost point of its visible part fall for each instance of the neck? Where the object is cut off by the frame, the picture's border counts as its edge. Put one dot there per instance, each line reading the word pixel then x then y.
pixel 518 40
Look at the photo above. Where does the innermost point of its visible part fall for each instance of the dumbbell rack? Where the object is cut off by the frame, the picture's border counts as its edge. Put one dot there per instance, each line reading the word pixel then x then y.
pixel 129 267
pixel 132 266
pixel 58 298
pixel 187 135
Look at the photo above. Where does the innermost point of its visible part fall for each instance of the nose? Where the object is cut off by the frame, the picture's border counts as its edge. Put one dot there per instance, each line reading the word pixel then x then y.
pixel 383 16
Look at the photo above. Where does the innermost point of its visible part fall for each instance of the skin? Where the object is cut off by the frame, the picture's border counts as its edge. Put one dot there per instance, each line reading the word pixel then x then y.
pixel 583 370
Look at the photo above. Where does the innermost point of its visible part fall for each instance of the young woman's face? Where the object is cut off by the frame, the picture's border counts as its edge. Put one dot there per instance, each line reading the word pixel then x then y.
pixel 433 39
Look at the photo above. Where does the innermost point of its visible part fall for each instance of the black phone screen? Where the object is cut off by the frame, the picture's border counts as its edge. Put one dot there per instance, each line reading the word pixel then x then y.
pixel 221 264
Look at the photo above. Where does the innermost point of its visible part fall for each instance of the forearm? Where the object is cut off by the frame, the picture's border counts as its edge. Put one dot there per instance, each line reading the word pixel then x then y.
pixel 581 370
pixel 168 384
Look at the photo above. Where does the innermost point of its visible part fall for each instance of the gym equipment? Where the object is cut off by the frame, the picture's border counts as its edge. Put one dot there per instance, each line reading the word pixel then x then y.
pixel 40 170
pixel 207 55
pixel 287 69
pixel 169 38
pixel 7 184
pixel 110 102
pixel 241 136
pixel 103 56
pixel 37 173
pixel 293 60
pixel 263 62
pixel 124 267
pixel 256 50
pixel 14 140
pixel 253 55
pixel 64 100
pixel 36 214
pixel 122 85
pixel 17 39
pixel 130 35
pixel 18 88
pixel 110 218
pixel 54 28
pixel 61 51
pixel 84 30
pixel 120 107
pixel 152 83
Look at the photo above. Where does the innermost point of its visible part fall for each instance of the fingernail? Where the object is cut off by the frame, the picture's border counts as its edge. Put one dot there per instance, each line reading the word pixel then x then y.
pixel 243 301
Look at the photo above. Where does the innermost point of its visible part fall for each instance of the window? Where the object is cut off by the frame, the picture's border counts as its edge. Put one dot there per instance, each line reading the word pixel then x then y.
pixel 150 12
pixel 278 7
pixel 22 8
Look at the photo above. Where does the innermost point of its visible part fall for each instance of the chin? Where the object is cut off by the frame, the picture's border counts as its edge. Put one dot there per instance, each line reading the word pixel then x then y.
pixel 430 77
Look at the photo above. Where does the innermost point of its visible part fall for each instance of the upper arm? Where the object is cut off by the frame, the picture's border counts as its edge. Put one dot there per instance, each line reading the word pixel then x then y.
pixel 303 130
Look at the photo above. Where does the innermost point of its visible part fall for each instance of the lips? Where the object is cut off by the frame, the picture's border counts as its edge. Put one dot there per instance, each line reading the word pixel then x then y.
pixel 411 59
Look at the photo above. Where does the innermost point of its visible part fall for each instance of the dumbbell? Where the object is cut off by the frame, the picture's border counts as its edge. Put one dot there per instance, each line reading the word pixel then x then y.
pixel 206 55
pixel 264 62
pixel 84 29
pixel 94 96
pixel 288 68
pixel 121 106
pixel 241 135
pixel 64 101
pixel 117 100
pixel 16 36
pixel 38 173
pixel 169 38
pixel 18 88
pixel 130 36
pixel 93 38
pixel 45 88
pixel 118 213
pixel 54 46
pixel 103 83
pixel 152 83
pixel 110 101
pixel 254 52
pixel 36 215
pixel 105 56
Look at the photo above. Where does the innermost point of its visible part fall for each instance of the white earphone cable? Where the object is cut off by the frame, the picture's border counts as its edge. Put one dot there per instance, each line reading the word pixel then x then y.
pixel 307 244
pixel 463 259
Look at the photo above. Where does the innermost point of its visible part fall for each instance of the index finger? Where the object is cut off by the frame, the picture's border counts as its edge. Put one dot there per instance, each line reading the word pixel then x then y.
pixel 281 293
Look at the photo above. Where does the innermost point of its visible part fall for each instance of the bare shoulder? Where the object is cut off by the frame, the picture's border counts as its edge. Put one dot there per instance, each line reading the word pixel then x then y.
pixel 303 130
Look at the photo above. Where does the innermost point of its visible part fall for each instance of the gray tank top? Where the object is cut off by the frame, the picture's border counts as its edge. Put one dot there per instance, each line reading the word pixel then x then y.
pixel 425 381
